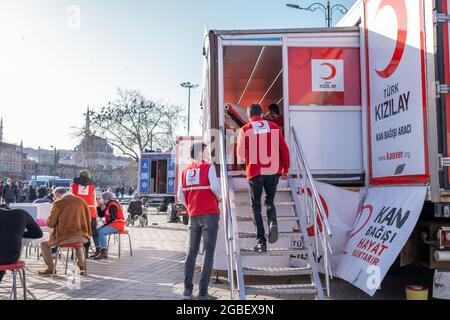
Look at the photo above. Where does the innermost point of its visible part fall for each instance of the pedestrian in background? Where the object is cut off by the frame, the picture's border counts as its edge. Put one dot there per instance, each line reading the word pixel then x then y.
pixel 1 190
pixel 200 192
pixel 42 192
pixel 9 192
pixel 32 195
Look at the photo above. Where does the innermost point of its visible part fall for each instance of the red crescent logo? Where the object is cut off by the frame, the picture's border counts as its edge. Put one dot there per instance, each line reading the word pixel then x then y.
pixel 358 220
pixel 261 125
pixel 332 69
pixel 401 13
pixel 310 229
pixel 193 174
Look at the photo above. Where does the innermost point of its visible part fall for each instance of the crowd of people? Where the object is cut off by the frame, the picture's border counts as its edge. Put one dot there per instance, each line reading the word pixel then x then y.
pixel 19 192
pixel 78 216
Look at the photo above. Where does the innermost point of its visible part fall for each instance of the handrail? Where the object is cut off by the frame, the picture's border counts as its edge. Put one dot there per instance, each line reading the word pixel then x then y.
pixel 233 254
pixel 314 211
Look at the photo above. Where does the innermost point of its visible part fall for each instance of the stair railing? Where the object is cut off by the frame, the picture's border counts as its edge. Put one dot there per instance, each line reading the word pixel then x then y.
pixel 313 208
pixel 234 258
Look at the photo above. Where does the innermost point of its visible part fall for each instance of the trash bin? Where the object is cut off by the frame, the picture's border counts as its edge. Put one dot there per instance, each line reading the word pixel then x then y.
pixel 416 292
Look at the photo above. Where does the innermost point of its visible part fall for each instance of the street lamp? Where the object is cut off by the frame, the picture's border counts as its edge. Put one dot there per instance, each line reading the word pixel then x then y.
pixel 328 10
pixel 189 86
pixel 54 164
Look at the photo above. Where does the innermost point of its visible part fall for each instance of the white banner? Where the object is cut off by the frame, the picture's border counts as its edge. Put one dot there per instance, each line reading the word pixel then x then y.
pixel 397 96
pixel 382 228
pixel 341 207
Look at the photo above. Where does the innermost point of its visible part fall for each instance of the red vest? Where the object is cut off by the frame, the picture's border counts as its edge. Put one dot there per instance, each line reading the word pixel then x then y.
pixel 119 223
pixel 88 195
pixel 197 190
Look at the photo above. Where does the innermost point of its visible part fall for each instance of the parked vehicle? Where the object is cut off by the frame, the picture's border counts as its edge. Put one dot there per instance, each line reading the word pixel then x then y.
pixel 157 178
pixel 323 81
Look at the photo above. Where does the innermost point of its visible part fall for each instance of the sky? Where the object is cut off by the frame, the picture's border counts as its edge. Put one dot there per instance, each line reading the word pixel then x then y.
pixel 57 57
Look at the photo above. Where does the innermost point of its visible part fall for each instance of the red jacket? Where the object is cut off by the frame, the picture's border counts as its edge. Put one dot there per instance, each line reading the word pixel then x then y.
pixel 262 146
pixel 197 191
pixel 114 218
pixel 87 193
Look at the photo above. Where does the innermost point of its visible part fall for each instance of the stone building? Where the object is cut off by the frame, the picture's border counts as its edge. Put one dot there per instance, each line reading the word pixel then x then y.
pixel 93 153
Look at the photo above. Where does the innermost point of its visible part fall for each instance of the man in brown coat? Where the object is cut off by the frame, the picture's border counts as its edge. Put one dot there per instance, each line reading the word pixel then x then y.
pixel 71 223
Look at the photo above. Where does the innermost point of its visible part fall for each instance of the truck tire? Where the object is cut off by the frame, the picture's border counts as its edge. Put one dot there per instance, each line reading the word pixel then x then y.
pixel 185 220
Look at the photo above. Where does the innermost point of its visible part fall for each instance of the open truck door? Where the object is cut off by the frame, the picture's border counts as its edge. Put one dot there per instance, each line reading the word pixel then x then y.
pixel 157 178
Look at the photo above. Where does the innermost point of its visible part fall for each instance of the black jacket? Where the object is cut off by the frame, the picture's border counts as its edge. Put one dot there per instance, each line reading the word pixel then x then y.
pixel 9 192
pixel 83 181
pixel 13 223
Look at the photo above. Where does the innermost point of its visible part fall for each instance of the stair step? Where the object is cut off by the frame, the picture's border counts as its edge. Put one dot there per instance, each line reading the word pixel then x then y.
pixel 277 203
pixel 279 219
pixel 273 252
pixel 248 189
pixel 277 272
pixel 252 235
pixel 288 289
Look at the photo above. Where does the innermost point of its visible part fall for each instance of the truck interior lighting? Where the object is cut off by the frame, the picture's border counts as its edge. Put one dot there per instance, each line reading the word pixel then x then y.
pixel 271 86
pixel 252 74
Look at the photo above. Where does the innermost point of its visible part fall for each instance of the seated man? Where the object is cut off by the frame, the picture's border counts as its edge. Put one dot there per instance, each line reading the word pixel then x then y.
pixel 112 211
pixel 13 223
pixel 71 224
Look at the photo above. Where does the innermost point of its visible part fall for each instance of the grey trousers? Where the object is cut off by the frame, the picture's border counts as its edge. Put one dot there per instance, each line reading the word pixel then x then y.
pixel 206 227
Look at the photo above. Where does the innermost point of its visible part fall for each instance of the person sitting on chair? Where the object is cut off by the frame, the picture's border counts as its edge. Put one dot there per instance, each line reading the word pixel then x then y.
pixel 13 223
pixel 135 210
pixel 71 224
pixel 112 211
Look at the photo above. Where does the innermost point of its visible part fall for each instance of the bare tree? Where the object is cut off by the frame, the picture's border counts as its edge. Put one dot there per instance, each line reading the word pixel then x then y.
pixel 132 123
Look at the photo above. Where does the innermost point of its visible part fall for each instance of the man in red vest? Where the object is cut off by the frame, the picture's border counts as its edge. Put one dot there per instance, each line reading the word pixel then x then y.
pixel 84 188
pixel 200 192
pixel 265 152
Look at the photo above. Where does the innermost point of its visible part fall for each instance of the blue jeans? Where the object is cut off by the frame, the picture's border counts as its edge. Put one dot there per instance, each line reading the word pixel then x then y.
pixel 206 227
pixel 101 240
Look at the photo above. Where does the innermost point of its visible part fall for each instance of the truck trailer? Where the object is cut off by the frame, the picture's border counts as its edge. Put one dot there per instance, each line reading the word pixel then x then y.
pixel 345 92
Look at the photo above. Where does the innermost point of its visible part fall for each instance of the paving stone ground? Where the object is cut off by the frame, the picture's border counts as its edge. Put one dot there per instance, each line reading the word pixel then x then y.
pixel 155 272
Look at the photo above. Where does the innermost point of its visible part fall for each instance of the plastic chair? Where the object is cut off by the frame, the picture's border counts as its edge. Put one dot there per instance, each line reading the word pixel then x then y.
pixel 18 266
pixel 119 234
pixel 72 247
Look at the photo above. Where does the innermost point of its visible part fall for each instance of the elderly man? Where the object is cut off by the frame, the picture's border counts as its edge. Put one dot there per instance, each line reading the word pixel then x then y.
pixel 71 223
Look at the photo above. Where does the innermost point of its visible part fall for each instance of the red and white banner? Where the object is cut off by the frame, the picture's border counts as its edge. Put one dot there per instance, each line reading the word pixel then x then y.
pixel 341 208
pixel 381 230
pixel 324 76
pixel 396 92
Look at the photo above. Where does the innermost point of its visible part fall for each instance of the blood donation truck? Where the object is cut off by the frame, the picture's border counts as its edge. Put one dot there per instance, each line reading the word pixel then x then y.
pixel 366 105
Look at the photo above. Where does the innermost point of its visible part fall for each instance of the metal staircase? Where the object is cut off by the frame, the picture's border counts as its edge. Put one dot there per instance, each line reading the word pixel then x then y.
pixel 295 212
